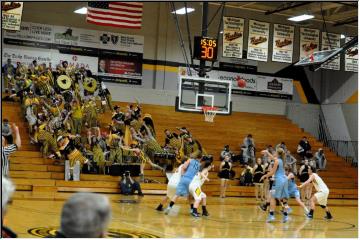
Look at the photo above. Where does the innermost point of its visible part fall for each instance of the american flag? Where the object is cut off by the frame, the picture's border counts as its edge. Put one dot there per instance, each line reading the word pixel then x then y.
pixel 115 14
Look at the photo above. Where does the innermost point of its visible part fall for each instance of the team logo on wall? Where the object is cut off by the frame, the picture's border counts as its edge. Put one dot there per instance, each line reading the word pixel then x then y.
pixel 42 232
pixel 275 85
pixel 104 38
pixel 114 39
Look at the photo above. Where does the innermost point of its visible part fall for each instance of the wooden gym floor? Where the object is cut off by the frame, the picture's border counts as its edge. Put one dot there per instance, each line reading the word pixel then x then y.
pixel 230 218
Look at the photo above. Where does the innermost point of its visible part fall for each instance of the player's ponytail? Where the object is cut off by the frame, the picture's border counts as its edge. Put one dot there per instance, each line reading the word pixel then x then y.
pixel 281 153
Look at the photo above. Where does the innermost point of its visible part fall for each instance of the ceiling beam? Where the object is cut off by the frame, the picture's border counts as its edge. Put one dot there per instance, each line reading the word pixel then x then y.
pixel 284 8
pixel 343 15
pixel 347 21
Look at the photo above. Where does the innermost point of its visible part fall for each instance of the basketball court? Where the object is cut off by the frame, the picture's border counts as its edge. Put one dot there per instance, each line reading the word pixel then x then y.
pixel 230 218
pixel 219 71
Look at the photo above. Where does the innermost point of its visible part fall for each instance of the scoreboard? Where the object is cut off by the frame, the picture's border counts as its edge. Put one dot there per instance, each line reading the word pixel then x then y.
pixel 205 48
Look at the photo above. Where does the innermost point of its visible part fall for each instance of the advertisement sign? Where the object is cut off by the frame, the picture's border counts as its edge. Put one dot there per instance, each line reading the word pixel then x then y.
pixel 309 42
pixel 233 36
pixel 250 84
pixel 11 13
pixel 121 42
pixel 331 41
pixel 283 43
pixel 258 42
pixel 351 58
pixel 76 37
pixel 32 32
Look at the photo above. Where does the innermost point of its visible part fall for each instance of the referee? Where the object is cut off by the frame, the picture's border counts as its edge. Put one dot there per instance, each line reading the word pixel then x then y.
pixel 8 149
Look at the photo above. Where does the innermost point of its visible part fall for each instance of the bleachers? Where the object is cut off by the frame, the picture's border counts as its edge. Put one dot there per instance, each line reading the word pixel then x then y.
pixel 31 172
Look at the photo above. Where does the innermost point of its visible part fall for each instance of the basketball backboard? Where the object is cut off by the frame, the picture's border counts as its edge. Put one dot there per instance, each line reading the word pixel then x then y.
pixel 319 57
pixel 192 96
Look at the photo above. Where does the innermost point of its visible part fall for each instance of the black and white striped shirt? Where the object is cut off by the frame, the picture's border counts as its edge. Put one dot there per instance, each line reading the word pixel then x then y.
pixel 5 152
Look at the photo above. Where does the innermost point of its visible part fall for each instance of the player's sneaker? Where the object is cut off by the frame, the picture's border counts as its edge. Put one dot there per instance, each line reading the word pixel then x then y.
pixel 167 210
pixel 270 218
pixel 289 210
pixel 326 217
pixel 309 216
pixel 190 210
pixel 159 208
pixel 262 207
pixel 285 218
pixel 306 210
pixel 195 214
pixel 205 213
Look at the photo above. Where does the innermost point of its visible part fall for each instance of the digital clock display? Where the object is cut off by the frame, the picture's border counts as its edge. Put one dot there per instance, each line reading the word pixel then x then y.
pixel 205 48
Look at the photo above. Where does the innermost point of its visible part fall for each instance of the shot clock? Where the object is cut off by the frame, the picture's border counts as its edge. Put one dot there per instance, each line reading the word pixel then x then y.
pixel 205 48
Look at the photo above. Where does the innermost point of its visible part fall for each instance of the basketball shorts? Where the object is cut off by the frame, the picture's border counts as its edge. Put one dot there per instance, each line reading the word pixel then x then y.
pixel 182 188
pixel 195 190
pixel 280 189
pixel 294 194
pixel 322 197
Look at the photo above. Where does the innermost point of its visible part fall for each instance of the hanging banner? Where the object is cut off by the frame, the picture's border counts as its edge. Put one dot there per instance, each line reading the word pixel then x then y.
pixel 11 13
pixel 331 41
pixel 309 42
pixel 233 37
pixel 251 84
pixel 258 43
pixel 283 43
pixel 351 58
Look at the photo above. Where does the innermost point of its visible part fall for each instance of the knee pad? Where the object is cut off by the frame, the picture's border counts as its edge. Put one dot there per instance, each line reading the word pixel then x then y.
pixel 322 206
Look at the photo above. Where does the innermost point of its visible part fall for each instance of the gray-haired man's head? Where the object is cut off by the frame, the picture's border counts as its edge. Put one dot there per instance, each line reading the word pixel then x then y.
pixel 85 215
pixel 7 190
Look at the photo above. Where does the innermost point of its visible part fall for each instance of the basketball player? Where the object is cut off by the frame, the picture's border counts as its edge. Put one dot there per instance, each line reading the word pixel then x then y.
pixel 293 190
pixel 171 187
pixel 190 168
pixel 281 182
pixel 320 196
pixel 197 193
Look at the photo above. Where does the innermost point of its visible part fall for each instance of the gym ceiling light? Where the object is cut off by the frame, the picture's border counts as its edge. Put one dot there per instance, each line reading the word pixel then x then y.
pixel 82 10
pixel 182 11
pixel 300 18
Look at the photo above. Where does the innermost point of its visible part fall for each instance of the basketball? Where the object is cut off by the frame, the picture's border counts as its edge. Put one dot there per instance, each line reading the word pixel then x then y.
pixel 241 83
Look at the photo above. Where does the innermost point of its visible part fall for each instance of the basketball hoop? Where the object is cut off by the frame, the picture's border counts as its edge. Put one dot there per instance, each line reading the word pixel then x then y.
pixel 310 55
pixel 209 113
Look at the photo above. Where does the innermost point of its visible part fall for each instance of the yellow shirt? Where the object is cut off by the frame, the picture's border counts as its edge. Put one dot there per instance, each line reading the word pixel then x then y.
pixel 77 112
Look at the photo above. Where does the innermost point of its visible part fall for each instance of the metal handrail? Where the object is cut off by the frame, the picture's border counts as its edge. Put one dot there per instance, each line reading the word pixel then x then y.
pixel 345 149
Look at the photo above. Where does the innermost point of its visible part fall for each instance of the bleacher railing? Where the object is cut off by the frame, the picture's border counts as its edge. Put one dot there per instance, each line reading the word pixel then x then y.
pixel 345 149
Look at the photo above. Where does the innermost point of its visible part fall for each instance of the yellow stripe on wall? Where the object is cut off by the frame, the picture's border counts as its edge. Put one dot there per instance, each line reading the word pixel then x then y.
pixel 353 98
pixel 300 91
pixel 152 67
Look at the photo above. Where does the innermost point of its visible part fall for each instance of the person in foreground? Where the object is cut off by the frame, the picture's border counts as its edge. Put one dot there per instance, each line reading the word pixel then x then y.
pixel 85 215
pixel 320 196
pixel 7 189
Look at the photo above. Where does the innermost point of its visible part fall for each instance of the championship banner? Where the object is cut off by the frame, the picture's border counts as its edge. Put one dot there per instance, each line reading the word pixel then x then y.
pixel 351 58
pixel 250 84
pixel 309 42
pixel 258 42
pixel 233 37
pixel 331 41
pixel 11 13
pixel 283 43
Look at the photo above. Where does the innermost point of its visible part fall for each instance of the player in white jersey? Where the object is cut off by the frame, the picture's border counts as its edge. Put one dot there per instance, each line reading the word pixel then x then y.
pixel 171 187
pixel 195 188
pixel 320 196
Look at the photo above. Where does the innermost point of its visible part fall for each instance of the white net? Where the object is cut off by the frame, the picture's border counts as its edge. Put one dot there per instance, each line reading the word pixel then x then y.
pixel 209 113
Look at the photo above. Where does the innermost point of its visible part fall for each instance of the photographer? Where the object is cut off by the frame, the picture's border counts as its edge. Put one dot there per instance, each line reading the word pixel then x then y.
pixel 129 185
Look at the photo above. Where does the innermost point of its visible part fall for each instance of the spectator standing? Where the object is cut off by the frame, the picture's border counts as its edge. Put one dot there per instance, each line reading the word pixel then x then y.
pixel 9 149
pixel 304 148
pixel 258 172
pixel 249 151
pixel 291 161
pixel 225 174
pixel 320 159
